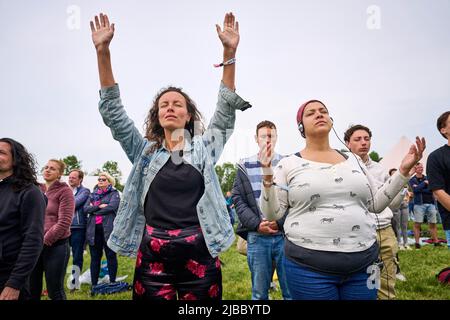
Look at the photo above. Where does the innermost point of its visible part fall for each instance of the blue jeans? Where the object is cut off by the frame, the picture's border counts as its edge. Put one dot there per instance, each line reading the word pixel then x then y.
pixel 261 251
pixel 77 240
pixel 306 284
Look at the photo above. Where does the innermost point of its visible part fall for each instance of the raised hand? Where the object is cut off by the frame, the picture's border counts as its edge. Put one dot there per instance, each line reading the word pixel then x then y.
pixel 102 31
pixel 265 155
pixel 230 34
pixel 413 156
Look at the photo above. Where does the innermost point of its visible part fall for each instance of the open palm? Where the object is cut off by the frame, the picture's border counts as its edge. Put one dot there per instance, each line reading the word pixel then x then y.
pixel 230 34
pixel 413 156
pixel 102 31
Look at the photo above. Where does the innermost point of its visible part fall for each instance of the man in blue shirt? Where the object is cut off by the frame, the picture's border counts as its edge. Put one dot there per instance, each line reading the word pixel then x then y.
pixel 424 205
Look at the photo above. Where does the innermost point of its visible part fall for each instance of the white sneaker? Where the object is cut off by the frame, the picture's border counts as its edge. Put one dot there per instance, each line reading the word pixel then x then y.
pixel 400 247
pixel 400 277
pixel 407 247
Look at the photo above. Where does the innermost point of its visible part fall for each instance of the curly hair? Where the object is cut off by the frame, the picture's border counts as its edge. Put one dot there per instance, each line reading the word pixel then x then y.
pixel 154 131
pixel 24 165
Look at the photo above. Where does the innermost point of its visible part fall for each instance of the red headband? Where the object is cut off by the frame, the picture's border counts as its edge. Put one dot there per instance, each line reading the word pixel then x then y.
pixel 302 109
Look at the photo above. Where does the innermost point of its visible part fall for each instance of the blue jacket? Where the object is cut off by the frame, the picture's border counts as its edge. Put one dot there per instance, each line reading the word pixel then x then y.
pixel 79 217
pixel 108 213
pixel 420 189
pixel 202 153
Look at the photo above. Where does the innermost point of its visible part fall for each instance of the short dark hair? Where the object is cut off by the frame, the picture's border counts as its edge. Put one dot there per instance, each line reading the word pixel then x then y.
pixel 392 170
pixel 80 173
pixel 441 122
pixel 24 165
pixel 265 124
pixel 352 129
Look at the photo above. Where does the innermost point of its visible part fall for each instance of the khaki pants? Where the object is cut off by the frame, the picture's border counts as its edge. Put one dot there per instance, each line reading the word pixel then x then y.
pixel 388 252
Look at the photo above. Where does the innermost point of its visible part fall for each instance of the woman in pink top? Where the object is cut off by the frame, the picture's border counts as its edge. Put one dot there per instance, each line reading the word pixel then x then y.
pixel 101 208
pixel 58 217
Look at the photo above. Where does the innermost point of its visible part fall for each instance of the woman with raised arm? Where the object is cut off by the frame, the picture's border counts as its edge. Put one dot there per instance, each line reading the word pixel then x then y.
pixel 172 213
pixel 330 235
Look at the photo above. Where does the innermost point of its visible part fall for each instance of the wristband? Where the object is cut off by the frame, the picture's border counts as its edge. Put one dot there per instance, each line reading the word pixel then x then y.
pixel 226 63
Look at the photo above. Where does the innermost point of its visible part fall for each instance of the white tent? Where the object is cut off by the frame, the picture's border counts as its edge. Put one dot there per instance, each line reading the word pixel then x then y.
pixel 396 154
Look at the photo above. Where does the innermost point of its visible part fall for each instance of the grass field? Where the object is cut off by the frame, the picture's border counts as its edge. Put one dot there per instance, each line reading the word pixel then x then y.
pixel 418 266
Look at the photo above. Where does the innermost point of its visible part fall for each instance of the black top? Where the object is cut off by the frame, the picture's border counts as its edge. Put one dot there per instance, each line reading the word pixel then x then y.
pixel 438 171
pixel 331 262
pixel 21 232
pixel 173 196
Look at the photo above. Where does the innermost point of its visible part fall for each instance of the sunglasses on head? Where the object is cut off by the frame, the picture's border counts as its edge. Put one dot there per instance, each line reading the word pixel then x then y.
pixel 102 179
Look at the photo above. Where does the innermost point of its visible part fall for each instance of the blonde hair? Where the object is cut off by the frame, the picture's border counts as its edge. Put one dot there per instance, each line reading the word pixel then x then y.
pixel 109 177
pixel 61 165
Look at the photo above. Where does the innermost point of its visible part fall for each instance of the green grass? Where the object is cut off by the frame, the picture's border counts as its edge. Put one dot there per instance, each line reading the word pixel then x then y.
pixel 419 267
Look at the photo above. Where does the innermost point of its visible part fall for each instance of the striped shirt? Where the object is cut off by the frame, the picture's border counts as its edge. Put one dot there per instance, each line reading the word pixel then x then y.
pixel 254 172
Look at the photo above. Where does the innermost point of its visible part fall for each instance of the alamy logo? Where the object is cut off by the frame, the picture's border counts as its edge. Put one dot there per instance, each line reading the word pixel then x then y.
pixel 373 282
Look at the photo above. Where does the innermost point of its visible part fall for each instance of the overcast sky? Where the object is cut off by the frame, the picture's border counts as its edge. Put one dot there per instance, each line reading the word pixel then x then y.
pixel 385 64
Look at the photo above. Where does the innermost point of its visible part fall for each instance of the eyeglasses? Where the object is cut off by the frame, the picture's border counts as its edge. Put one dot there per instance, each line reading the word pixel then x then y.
pixel 101 179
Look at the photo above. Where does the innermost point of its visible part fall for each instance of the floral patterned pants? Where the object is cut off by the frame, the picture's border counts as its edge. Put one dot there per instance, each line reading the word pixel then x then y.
pixel 175 264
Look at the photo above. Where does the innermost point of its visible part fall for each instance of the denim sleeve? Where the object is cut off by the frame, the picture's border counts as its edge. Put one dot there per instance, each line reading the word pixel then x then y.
pixel 221 125
pixel 122 127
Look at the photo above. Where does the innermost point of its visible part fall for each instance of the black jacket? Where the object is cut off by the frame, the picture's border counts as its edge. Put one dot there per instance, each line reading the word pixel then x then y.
pixel 21 233
pixel 245 204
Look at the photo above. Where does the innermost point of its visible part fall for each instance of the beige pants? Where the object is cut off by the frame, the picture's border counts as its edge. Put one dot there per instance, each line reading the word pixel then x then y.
pixel 388 253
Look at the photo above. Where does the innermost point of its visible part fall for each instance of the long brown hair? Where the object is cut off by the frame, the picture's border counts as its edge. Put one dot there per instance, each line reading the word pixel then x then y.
pixel 154 131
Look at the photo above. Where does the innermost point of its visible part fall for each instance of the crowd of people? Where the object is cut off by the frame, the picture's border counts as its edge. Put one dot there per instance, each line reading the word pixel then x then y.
pixel 328 221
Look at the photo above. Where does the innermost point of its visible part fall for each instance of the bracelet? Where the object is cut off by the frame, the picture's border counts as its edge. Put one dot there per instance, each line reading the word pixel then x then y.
pixel 226 63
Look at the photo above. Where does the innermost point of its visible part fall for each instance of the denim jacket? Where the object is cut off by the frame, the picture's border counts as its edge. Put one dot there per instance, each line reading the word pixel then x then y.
pixel 202 153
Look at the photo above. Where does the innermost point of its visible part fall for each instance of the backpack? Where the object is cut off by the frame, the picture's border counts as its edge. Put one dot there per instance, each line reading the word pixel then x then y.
pixel 444 276
pixel 108 288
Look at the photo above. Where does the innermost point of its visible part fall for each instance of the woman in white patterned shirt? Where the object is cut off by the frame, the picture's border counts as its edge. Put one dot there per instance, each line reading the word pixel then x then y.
pixel 330 236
